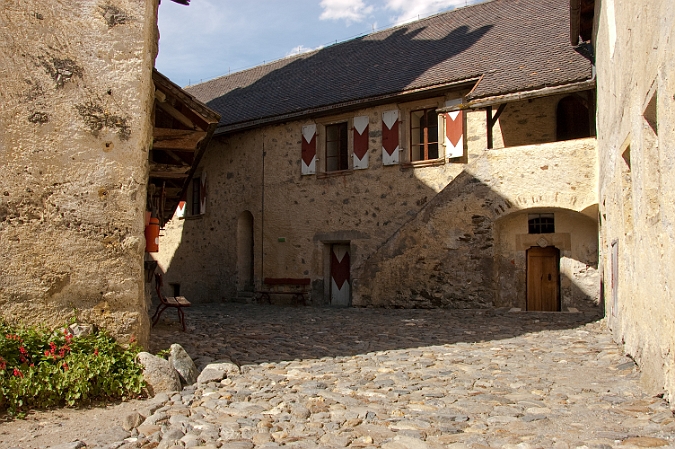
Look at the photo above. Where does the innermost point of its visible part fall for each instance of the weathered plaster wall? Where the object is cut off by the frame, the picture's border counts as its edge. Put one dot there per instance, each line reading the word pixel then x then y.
pixel 636 117
pixel 75 109
pixel 380 211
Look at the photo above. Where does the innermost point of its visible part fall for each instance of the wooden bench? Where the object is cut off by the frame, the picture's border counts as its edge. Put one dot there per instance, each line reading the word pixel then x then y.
pixel 298 287
pixel 179 302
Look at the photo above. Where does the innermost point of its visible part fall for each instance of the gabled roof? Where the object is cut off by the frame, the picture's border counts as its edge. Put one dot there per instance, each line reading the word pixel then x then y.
pixel 504 45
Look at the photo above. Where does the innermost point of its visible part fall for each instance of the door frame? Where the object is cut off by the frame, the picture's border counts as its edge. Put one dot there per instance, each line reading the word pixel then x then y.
pixel 527 276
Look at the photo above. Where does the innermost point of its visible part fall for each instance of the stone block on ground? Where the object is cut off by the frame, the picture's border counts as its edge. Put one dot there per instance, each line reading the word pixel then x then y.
pixel 217 371
pixel 183 364
pixel 132 420
pixel 158 373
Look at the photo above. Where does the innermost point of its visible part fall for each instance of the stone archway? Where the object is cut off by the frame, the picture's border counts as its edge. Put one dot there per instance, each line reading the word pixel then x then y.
pixel 573 237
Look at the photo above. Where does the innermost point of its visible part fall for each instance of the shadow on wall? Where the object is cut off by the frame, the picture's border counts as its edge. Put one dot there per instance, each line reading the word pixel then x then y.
pixel 453 254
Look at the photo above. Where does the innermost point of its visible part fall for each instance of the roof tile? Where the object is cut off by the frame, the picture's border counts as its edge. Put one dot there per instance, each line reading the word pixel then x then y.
pixel 515 45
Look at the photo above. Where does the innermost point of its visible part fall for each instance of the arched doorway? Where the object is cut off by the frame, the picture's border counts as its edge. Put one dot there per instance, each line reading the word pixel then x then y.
pixel 543 279
pixel 245 252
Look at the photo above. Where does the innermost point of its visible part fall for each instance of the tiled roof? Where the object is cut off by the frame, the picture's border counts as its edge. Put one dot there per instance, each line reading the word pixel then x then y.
pixel 515 45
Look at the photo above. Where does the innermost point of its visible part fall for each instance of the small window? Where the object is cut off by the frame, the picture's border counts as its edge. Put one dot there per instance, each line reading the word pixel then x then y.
pixel 541 224
pixel 337 153
pixel 195 205
pixel 424 135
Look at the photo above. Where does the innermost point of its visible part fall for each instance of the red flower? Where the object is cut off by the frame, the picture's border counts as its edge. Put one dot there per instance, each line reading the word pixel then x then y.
pixel 96 351
pixel 22 350
pixel 65 366
pixel 17 373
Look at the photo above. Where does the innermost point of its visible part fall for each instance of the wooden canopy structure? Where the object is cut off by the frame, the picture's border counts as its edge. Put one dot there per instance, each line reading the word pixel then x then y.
pixel 183 127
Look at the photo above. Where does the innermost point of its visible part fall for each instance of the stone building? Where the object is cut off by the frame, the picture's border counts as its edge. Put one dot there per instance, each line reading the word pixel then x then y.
pixel 635 59
pixel 77 109
pixel 449 162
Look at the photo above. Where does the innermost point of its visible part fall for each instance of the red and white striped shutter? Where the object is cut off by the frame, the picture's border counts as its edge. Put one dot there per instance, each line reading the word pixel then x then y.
pixel 390 138
pixel 454 131
pixel 309 149
pixel 360 154
pixel 180 210
pixel 340 267
pixel 202 193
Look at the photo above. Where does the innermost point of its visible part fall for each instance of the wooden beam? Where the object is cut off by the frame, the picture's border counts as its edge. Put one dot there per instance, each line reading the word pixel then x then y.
pixel 488 121
pixel 500 109
pixel 166 171
pixel 175 113
pixel 167 175
pixel 177 139
pixel 176 158
pixel 491 122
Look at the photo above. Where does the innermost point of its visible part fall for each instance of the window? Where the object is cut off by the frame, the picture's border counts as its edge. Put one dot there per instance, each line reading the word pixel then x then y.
pixel 337 152
pixel 424 135
pixel 196 197
pixel 541 224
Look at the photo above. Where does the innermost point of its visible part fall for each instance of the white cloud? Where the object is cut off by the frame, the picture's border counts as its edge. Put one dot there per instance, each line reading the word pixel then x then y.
pixel 300 49
pixel 349 10
pixel 408 11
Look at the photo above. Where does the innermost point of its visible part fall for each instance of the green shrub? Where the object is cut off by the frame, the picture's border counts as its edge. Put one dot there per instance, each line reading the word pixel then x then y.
pixel 41 368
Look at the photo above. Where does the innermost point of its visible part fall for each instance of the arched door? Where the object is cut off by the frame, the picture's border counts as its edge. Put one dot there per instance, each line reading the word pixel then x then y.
pixel 543 279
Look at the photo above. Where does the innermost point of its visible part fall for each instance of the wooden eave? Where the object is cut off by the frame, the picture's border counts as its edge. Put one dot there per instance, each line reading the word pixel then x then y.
pixel 183 127
pixel 497 100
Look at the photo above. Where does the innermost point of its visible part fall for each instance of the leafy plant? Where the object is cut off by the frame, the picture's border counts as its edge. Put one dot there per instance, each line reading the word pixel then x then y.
pixel 41 368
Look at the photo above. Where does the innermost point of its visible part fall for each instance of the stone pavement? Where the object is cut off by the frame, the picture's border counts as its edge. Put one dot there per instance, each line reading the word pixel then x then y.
pixel 381 378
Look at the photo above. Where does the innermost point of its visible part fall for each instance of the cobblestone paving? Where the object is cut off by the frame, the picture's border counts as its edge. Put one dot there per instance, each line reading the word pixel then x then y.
pixel 373 378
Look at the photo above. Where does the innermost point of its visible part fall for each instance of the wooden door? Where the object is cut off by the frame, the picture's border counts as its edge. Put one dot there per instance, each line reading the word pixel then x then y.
pixel 543 279
pixel 340 289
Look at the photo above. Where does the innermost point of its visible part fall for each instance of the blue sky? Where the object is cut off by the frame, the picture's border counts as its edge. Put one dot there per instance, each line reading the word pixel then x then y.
pixel 210 38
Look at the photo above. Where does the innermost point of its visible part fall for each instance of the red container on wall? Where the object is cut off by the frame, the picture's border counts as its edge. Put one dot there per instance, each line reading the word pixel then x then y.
pixel 152 236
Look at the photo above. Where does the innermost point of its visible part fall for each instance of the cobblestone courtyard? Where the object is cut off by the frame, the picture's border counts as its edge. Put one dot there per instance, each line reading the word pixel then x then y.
pixel 380 378
pixel 322 377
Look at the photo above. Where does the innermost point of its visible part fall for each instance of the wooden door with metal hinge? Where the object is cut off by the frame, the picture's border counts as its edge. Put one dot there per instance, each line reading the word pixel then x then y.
pixel 543 279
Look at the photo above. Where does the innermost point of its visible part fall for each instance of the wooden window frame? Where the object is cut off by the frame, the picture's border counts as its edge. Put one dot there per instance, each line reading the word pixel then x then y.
pixel 195 194
pixel 424 146
pixel 537 225
pixel 343 150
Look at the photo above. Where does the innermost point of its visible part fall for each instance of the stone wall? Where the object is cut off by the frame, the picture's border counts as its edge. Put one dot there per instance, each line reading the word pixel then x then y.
pixel 75 108
pixel 636 135
pixel 391 216
pixel 466 248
